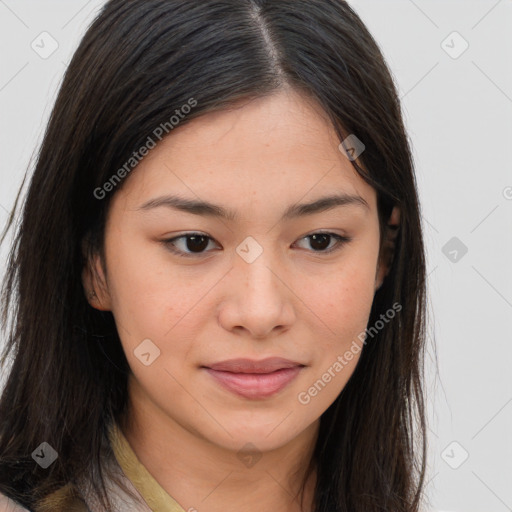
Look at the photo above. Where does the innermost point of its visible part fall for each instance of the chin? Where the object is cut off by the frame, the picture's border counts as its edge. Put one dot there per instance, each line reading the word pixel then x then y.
pixel 264 435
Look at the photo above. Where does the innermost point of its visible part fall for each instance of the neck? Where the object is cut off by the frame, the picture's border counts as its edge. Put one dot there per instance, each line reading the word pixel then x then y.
pixel 199 474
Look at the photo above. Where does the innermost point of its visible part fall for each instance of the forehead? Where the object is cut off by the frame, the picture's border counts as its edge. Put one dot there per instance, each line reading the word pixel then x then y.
pixel 277 149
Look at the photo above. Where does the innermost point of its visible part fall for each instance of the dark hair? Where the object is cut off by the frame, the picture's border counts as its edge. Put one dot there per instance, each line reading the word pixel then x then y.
pixel 138 63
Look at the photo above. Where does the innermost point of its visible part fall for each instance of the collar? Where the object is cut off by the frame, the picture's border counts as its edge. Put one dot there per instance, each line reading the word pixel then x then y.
pixel 150 490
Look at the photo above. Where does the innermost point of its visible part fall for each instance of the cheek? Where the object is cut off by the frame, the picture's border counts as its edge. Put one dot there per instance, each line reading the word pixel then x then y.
pixel 343 305
pixel 148 296
pixel 152 298
pixel 344 300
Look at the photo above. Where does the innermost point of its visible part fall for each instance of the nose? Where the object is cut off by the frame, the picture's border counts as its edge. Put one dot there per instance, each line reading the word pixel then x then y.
pixel 259 301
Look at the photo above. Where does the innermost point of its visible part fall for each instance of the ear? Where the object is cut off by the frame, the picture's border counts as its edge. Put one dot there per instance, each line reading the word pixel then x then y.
pixel 387 250
pixel 94 283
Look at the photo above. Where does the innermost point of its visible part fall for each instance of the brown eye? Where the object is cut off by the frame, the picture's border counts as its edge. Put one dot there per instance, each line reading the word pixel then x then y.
pixel 321 242
pixel 195 244
pixel 190 244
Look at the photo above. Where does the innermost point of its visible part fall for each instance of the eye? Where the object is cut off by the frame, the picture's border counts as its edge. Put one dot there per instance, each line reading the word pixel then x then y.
pixel 191 245
pixel 196 243
pixel 322 240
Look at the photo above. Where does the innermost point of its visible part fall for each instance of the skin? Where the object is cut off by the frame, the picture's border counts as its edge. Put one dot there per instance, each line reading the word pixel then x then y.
pixel 292 301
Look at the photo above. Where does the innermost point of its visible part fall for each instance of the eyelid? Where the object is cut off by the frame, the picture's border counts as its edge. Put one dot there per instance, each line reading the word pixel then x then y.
pixel 169 245
pixel 340 239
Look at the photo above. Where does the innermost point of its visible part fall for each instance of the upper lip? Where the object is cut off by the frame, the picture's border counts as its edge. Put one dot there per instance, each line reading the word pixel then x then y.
pixel 241 365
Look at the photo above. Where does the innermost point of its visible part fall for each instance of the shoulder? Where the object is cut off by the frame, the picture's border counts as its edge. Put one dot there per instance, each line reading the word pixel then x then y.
pixel 7 505
pixel 64 499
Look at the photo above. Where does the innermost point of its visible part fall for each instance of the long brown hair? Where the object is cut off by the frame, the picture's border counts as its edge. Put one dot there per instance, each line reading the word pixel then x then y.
pixel 138 63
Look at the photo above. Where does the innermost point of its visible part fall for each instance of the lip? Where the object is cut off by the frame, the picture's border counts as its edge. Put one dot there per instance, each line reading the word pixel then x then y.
pixel 255 379
pixel 242 365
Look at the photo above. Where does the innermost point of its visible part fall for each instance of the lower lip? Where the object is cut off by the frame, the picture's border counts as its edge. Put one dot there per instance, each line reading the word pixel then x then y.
pixel 255 385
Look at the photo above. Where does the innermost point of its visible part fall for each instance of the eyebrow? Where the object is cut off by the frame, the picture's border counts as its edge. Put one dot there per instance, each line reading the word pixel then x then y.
pixel 208 209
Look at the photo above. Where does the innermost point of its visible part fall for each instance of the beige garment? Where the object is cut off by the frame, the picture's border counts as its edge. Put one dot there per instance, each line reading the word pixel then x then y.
pixel 7 505
pixel 132 474
pixel 130 487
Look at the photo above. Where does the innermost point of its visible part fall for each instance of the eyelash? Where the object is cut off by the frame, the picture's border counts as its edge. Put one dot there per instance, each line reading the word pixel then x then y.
pixel 341 241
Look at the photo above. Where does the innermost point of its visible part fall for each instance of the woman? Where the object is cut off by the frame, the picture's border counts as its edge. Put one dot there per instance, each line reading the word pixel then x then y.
pixel 218 283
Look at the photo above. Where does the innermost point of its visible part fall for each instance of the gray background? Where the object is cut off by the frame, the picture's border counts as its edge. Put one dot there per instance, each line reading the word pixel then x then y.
pixel 457 107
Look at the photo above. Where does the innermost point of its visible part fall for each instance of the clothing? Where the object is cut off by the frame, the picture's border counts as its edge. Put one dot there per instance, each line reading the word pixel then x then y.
pixel 138 478
pixel 7 505
pixel 127 472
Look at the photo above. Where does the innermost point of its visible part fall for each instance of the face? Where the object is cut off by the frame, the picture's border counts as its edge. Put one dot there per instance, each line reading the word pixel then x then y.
pixel 190 288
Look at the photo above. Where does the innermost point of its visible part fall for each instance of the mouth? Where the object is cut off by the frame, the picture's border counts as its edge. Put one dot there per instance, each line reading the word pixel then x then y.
pixel 254 379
